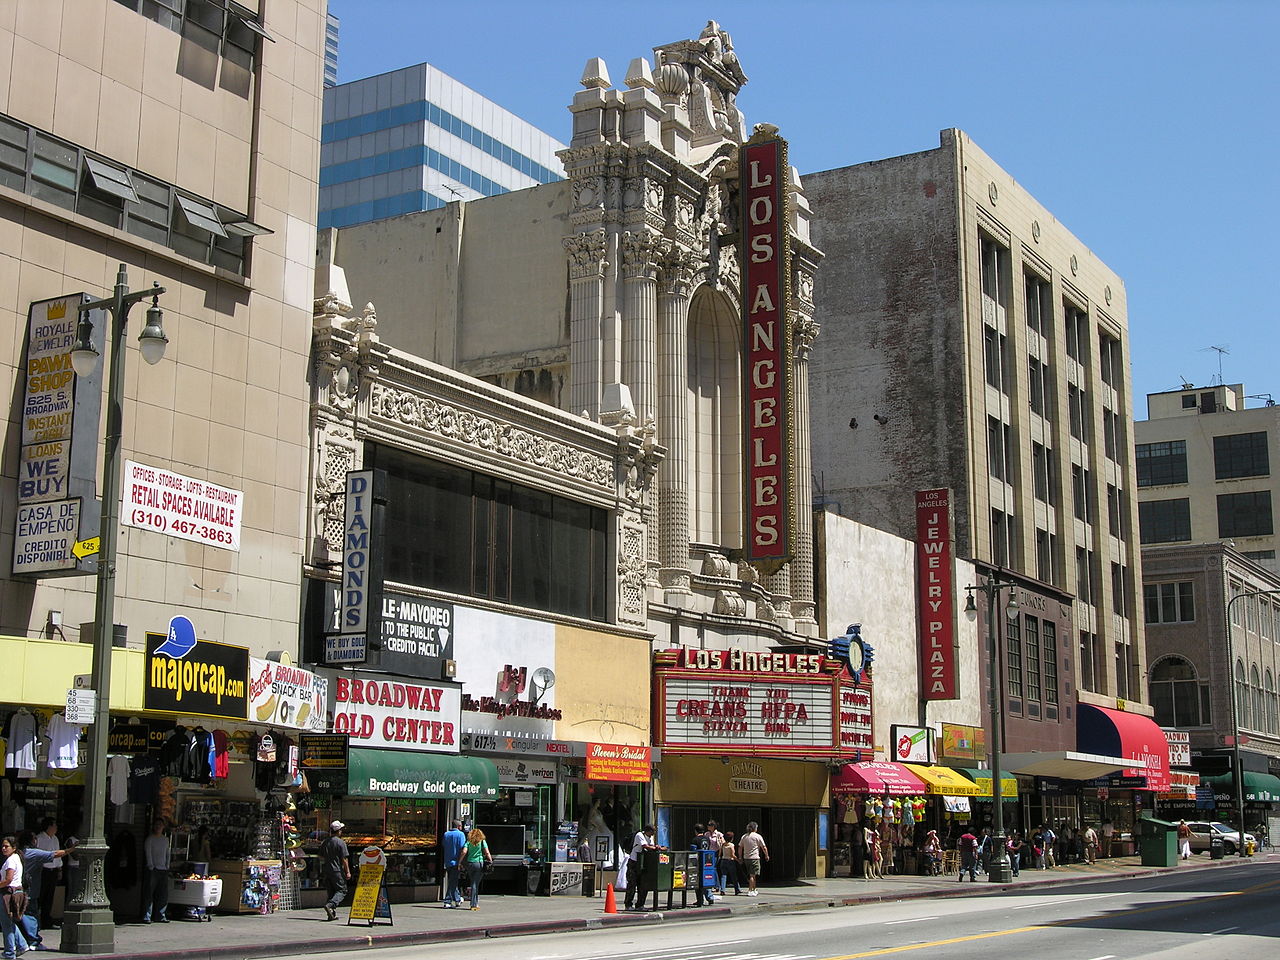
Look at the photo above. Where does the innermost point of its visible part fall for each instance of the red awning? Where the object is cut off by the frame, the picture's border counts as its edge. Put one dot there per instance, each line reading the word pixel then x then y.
pixel 1118 733
pixel 877 778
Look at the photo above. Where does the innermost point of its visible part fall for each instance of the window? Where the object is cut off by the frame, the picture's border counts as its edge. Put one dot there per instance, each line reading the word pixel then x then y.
pixel 452 529
pixel 1079 493
pixel 1242 696
pixel 1177 695
pixel 1208 402
pixel 1087 676
pixel 1188 401
pixel 1032 650
pixel 1169 602
pixel 1004 542
pixel 1259 707
pixel 995 348
pixel 995 271
pixel 999 447
pixel 119 196
pixel 214 24
pixel 1039 302
pixel 1049 634
pixel 1113 510
pixel 1076 324
pixel 1240 455
pixel 1111 434
pixel 1123 660
pixel 1259 554
pixel 1040 471
pixel 1161 463
pixel 1040 388
pixel 1118 591
pixel 1044 556
pixel 1236 590
pixel 1273 720
pixel 1165 521
pixel 1109 360
pixel 1244 514
pixel 1013 665
pixel 1084 582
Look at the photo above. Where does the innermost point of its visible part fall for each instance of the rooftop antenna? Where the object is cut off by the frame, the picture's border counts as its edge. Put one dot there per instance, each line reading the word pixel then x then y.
pixel 1186 384
pixel 1220 349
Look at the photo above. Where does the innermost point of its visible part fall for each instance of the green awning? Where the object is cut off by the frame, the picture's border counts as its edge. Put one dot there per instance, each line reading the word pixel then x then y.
pixel 1258 787
pixel 1008 785
pixel 403 774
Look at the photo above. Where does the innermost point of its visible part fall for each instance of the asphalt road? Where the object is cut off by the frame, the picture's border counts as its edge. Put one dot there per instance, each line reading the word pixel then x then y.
pixel 1231 912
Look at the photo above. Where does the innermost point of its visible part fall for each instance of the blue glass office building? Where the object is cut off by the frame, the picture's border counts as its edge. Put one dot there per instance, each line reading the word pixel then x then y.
pixel 415 139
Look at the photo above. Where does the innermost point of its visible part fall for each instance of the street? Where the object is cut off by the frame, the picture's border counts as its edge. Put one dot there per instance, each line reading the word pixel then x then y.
pixel 1165 916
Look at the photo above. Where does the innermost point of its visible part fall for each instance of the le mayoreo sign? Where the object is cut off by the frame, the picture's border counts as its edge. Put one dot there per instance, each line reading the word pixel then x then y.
pixel 934 591
pixel 767 350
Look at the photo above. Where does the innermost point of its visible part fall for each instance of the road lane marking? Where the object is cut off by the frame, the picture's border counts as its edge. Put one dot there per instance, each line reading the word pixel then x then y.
pixel 890 923
pixel 1087 898
pixel 1109 956
pixel 1214 933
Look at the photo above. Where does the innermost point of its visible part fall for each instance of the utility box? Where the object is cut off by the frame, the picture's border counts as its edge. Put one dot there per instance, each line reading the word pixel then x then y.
pixel 1158 842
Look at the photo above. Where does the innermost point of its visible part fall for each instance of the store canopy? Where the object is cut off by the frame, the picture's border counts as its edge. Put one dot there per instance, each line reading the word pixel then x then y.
pixel 982 778
pixel 402 774
pixel 1258 787
pixel 1063 764
pixel 945 781
pixel 1118 733
pixel 877 777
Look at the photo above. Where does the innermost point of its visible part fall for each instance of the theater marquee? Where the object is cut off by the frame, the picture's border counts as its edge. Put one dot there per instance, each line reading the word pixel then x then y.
pixel 767 383
pixel 738 702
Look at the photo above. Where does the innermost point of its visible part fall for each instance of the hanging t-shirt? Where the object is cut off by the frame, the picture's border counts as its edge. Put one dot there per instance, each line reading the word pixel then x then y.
pixel 118 774
pixel 221 755
pixel 20 748
pixel 144 780
pixel 64 741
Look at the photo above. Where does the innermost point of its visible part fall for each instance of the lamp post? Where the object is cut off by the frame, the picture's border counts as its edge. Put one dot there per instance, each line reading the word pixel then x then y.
pixel 88 926
pixel 1237 768
pixel 999 870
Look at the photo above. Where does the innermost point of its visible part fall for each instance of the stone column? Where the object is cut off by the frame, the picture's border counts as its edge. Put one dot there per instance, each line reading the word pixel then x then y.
pixel 801 566
pixel 673 424
pixel 587 266
pixel 640 322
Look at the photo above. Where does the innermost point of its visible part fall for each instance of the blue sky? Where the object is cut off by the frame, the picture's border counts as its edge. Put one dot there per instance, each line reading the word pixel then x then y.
pixel 1148 128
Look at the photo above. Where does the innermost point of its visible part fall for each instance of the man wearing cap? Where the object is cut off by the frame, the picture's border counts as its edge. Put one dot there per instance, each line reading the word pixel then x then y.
pixel 335 867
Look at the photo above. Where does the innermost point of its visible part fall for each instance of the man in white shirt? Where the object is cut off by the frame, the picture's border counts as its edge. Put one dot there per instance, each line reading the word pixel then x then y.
pixel 47 839
pixel 642 841
pixel 751 851
pixel 155 892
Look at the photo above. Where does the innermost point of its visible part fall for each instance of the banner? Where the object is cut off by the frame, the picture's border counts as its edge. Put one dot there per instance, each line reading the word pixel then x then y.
pixel 287 696
pixel 153 498
pixel 935 589
pixel 618 763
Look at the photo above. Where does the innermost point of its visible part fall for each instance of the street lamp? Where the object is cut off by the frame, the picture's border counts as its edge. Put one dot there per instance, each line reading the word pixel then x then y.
pixel 88 926
pixel 999 870
pixel 1237 768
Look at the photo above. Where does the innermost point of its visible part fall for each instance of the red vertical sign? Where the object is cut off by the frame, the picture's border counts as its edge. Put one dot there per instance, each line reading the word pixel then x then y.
pixel 767 370
pixel 935 589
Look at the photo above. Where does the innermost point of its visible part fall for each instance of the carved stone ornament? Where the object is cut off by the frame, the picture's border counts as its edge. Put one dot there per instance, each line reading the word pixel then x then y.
pixel 632 570
pixel 640 252
pixel 716 565
pixel 678 268
pixel 804 286
pixel 463 426
pixel 806 331
pixel 729 604
pixel 588 192
pixel 586 254
pixel 336 456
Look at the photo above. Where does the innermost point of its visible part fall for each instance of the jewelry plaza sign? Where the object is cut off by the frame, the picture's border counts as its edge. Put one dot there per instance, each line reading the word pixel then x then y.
pixel 738 702
pixel 935 589
pixel 767 371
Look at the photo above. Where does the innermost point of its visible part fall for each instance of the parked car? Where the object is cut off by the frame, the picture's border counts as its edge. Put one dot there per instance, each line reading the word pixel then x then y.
pixel 1202 832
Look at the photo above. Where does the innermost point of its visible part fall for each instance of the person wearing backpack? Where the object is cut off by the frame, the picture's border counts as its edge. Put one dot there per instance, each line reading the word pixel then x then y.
pixel 476 856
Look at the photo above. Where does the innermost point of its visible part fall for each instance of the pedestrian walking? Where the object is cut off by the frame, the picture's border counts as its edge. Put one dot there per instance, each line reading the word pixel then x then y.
pixel 15 901
pixel 1090 845
pixel 968 849
pixel 33 860
pixel 933 853
pixel 155 851
pixel 729 865
pixel 477 858
pixel 335 869
pixel 1184 840
pixel 1016 849
pixel 43 893
pixel 451 845
pixel 752 852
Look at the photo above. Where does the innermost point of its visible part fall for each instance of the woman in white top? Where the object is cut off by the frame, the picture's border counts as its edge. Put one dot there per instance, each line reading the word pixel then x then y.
pixel 10 883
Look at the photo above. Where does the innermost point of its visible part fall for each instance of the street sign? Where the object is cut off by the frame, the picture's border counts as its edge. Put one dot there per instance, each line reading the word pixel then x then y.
pixel 83 681
pixel 81 705
pixel 86 548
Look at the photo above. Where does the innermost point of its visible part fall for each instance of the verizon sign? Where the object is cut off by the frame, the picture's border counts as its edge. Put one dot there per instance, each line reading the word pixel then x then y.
pixel 935 589
pixel 767 350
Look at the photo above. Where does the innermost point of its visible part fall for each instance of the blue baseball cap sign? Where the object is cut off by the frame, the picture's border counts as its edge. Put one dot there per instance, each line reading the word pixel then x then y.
pixel 181 639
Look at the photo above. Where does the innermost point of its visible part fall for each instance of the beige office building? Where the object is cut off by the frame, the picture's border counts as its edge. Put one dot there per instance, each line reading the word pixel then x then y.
pixel 1204 470
pixel 180 139
pixel 972 342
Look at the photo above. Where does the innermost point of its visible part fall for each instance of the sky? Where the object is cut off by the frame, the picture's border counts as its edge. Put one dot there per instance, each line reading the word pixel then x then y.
pixel 1148 127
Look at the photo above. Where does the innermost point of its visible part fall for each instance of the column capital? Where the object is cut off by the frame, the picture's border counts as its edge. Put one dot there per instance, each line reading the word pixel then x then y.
pixel 586 254
pixel 641 252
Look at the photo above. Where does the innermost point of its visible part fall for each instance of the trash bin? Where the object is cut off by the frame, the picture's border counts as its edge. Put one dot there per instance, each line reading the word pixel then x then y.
pixel 1217 849
pixel 1158 842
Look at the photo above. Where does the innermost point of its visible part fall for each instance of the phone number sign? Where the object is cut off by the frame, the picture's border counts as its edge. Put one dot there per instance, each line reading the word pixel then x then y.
pixel 177 506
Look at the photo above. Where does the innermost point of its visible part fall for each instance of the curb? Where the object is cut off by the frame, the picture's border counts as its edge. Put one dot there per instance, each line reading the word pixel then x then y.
pixel 605 921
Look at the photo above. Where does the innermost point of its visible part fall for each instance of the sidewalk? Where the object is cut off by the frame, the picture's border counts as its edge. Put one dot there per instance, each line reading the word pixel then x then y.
pixel 306 931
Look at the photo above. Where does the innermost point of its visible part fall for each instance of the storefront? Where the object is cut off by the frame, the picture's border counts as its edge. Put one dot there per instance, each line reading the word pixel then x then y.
pixel 1261 801
pixel 1113 804
pixel 747 736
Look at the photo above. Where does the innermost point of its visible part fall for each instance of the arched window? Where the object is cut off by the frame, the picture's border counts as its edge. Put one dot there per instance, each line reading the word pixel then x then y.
pixel 715 421
pixel 1273 706
pixel 1242 696
pixel 1259 709
pixel 1177 694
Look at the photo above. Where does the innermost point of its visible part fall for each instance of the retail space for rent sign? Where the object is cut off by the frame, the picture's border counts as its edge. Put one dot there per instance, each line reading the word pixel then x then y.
pixel 157 499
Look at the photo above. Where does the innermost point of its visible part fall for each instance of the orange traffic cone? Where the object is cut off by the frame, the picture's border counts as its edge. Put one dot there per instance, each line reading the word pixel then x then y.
pixel 610 904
